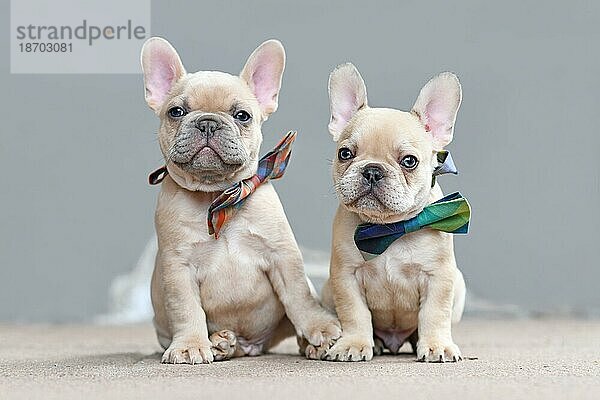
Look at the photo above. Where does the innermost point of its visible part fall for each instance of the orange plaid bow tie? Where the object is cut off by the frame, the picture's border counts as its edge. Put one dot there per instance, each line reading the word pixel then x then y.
pixel 271 166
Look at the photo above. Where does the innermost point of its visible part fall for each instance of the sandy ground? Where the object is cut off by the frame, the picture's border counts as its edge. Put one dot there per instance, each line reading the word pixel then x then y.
pixel 543 359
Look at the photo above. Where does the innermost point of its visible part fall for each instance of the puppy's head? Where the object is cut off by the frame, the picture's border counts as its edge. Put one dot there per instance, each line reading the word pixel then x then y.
pixel 210 122
pixel 385 158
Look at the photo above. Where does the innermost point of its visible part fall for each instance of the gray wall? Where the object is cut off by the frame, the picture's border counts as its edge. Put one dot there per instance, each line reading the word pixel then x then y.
pixel 75 149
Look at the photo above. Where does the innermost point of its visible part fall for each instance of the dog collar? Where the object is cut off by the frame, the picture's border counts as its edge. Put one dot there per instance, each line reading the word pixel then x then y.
pixel 271 166
pixel 450 214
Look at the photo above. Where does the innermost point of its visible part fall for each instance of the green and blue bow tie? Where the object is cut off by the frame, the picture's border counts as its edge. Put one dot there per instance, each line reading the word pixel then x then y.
pixel 450 214
pixel 445 165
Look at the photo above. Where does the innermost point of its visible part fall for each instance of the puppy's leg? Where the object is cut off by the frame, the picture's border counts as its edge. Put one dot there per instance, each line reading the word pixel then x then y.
pixel 284 330
pixel 311 321
pixel 435 342
pixel 327 297
pixel 460 292
pixel 356 343
pixel 306 349
pixel 413 339
pixel 378 347
pixel 186 318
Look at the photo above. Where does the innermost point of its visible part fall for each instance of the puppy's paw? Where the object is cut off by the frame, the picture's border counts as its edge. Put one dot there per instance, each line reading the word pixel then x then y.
pixel 322 330
pixel 223 344
pixel 351 348
pixel 378 347
pixel 437 350
pixel 188 351
pixel 309 351
pixel 315 352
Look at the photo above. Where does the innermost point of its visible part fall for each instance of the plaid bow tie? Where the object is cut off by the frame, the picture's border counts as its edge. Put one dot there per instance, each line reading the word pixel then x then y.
pixel 271 166
pixel 450 214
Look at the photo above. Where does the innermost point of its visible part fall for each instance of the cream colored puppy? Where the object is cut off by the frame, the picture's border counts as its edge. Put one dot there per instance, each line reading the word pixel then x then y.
pixel 244 292
pixel 382 174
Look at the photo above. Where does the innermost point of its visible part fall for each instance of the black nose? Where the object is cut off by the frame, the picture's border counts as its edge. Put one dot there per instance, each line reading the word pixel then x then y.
pixel 372 174
pixel 208 126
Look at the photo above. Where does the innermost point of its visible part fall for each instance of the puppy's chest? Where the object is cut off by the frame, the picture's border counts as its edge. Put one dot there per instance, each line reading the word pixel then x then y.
pixel 231 274
pixel 239 247
pixel 394 280
pixel 244 248
pixel 410 256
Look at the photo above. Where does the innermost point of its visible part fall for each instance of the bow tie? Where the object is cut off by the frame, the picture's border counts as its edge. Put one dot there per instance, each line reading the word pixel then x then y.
pixel 445 165
pixel 271 166
pixel 450 214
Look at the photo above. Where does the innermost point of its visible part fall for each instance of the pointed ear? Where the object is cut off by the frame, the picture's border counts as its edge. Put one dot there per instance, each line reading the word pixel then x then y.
pixel 162 68
pixel 347 95
pixel 437 105
pixel 263 72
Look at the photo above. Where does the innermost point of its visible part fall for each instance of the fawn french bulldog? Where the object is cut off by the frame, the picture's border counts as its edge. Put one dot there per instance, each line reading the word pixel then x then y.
pixel 244 291
pixel 411 289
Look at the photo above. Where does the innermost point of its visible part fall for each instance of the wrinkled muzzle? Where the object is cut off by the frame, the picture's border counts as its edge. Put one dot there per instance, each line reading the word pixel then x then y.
pixel 373 188
pixel 209 143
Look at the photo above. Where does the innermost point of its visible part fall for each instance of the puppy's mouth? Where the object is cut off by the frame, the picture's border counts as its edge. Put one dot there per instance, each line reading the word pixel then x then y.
pixel 367 199
pixel 372 202
pixel 380 204
pixel 207 157
pixel 208 165
pixel 371 207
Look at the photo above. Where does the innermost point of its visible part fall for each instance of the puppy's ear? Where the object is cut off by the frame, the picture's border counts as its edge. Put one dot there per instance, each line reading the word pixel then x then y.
pixel 162 68
pixel 347 95
pixel 263 72
pixel 437 105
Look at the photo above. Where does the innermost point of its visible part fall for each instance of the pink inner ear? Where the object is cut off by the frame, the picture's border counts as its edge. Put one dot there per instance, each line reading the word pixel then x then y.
pixel 344 105
pixel 264 85
pixel 436 115
pixel 347 108
pixel 438 121
pixel 161 76
pixel 160 84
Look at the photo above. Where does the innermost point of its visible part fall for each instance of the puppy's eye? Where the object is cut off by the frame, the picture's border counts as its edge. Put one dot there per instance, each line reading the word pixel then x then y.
pixel 242 116
pixel 409 162
pixel 176 112
pixel 345 154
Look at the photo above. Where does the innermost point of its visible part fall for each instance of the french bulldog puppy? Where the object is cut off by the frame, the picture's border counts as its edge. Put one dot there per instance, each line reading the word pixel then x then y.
pixel 244 292
pixel 383 173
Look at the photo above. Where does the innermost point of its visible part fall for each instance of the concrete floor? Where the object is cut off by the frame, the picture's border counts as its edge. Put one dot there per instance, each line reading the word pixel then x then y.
pixel 515 359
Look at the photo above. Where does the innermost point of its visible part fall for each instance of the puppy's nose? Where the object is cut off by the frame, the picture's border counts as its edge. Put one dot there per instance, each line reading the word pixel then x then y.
pixel 208 126
pixel 372 174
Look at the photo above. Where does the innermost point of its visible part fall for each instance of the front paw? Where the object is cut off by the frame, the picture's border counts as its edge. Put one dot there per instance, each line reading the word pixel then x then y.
pixel 188 351
pixel 351 348
pixel 223 344
pixel 322 330
pixel 437 350
pixel 315 352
